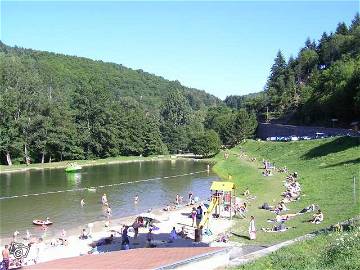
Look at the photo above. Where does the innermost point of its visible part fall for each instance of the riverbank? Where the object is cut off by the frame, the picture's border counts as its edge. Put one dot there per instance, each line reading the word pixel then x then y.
pixel 165 221
pixel 84 163
pixel 326 170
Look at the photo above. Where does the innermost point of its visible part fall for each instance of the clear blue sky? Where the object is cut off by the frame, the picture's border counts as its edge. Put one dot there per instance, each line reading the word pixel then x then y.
pixel 225 48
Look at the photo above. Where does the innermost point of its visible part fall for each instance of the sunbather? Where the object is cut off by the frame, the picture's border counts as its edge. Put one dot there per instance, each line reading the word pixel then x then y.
pixel 318 217
pixel 310 208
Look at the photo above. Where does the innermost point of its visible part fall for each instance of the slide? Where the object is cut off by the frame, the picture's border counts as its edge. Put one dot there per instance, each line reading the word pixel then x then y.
pixel 214 202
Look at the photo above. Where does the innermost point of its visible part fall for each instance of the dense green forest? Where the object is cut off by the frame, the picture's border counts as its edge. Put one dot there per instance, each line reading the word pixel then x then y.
pixel 321 83
pixel 56 107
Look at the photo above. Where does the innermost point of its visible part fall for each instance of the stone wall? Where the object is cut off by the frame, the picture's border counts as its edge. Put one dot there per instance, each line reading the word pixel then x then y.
pixel 266 130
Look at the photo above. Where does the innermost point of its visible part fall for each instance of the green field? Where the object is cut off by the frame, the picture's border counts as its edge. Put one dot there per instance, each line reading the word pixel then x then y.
pixel 326 169
pixel 328 251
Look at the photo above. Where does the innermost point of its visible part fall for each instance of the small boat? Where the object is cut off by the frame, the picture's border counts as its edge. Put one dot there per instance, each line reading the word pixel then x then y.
pixel 73 168
pixel 92 189
pixel 42 222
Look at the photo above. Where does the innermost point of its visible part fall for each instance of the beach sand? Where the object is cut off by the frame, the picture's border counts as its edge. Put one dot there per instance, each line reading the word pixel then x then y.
pixel 177 218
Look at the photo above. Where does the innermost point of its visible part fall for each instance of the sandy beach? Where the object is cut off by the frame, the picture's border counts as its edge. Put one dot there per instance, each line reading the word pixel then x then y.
pixel 165 221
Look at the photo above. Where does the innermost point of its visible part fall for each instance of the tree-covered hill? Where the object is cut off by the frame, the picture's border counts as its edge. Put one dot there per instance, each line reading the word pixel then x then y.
pixel 60 72
pixel 58 107
pixel 321 83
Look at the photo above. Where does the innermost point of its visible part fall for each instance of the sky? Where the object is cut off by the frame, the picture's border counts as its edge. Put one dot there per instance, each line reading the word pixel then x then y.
pixel 224 48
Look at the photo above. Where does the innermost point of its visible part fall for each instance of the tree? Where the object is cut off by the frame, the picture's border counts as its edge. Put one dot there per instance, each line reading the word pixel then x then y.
pixel 277 69
pixel 207 144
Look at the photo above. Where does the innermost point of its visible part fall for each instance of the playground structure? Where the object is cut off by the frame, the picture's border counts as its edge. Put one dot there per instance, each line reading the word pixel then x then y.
pixel 222 197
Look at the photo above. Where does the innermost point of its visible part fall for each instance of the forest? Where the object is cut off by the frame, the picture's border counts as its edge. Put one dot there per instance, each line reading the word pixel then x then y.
pixel 56 107
pixel 321 83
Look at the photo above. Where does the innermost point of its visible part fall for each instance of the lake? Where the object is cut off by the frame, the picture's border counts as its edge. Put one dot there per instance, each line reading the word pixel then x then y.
pixel 56 194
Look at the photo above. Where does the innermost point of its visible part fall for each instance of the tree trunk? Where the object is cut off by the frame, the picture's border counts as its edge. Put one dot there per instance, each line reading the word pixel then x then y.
pixel 43 157
pixel 8 159
pixel 27 159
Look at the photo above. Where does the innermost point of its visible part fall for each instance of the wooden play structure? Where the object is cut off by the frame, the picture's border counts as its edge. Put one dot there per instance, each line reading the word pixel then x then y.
pixel 222 197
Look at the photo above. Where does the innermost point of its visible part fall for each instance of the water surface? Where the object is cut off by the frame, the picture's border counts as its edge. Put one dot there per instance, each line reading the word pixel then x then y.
pixel 149 179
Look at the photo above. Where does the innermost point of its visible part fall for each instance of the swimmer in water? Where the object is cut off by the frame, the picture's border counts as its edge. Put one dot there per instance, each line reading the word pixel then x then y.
pixel 108 212
pixel 82 202
pixel 136 199
pixel 104 199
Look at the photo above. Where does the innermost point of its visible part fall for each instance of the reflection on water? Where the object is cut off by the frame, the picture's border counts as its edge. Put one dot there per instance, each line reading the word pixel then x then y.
pixel 147 179
pixel 74 178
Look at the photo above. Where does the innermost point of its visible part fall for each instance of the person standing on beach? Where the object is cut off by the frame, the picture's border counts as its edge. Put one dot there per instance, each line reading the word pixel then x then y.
pixel 190 197
pixel 6 257
pixel 136 199
pixel 193 216
pixel 125 238
pixel 104 199
pixel 177 200
pixel 199 215
pixel 252 228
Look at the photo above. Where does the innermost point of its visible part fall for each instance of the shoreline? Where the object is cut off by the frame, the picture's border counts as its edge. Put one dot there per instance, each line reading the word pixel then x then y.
pixel 166 221
pixel 4 169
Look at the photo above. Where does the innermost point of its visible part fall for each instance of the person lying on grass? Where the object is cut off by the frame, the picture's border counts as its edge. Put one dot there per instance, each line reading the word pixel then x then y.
pixel 318 217
pixel 310 208
pixel 282 218
pixel 277 228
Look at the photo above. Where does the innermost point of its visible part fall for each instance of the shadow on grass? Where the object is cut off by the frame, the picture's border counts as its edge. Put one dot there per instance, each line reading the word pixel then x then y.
pixel 335 146
pixel 241 236
pixel 347 162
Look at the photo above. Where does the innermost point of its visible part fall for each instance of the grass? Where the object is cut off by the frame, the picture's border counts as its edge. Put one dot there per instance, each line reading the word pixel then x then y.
pixel 326 169
pixel 328 251
pixel 63 164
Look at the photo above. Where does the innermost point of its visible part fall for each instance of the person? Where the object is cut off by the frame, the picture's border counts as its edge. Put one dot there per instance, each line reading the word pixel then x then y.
pixel 63 235
pixel 318 217
pixel 16 233
pixel 199 215
pixel 6 257
pixel 208 168
pixel 125 238
pixel 136 226
pixel 149 237
pixel 44 229
pixel 310 208
pixel 177 199
pixel 84 234
pixel 193 216
pixel 82 202
pixel 108 212
pixel 167 208
pixel 28 235
pixel 136 199
pixel 190 197
pixel 173 234
pixel 104 199
pixel 252 228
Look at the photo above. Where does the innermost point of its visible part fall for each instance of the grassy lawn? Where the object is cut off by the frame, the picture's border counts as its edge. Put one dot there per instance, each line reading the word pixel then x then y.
pixel 63 164
pixel 326 169
pixel 328 251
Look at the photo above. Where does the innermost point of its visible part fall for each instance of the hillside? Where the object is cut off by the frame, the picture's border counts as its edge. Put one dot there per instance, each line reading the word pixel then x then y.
pixel 56 107
pixel 326 169
pixel 320 83
pixel 62 72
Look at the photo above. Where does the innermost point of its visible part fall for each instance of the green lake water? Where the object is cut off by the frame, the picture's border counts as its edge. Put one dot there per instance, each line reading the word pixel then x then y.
pixel 56 194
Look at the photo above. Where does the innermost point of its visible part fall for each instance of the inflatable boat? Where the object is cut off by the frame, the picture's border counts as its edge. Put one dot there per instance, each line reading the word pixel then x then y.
pixel 42 222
